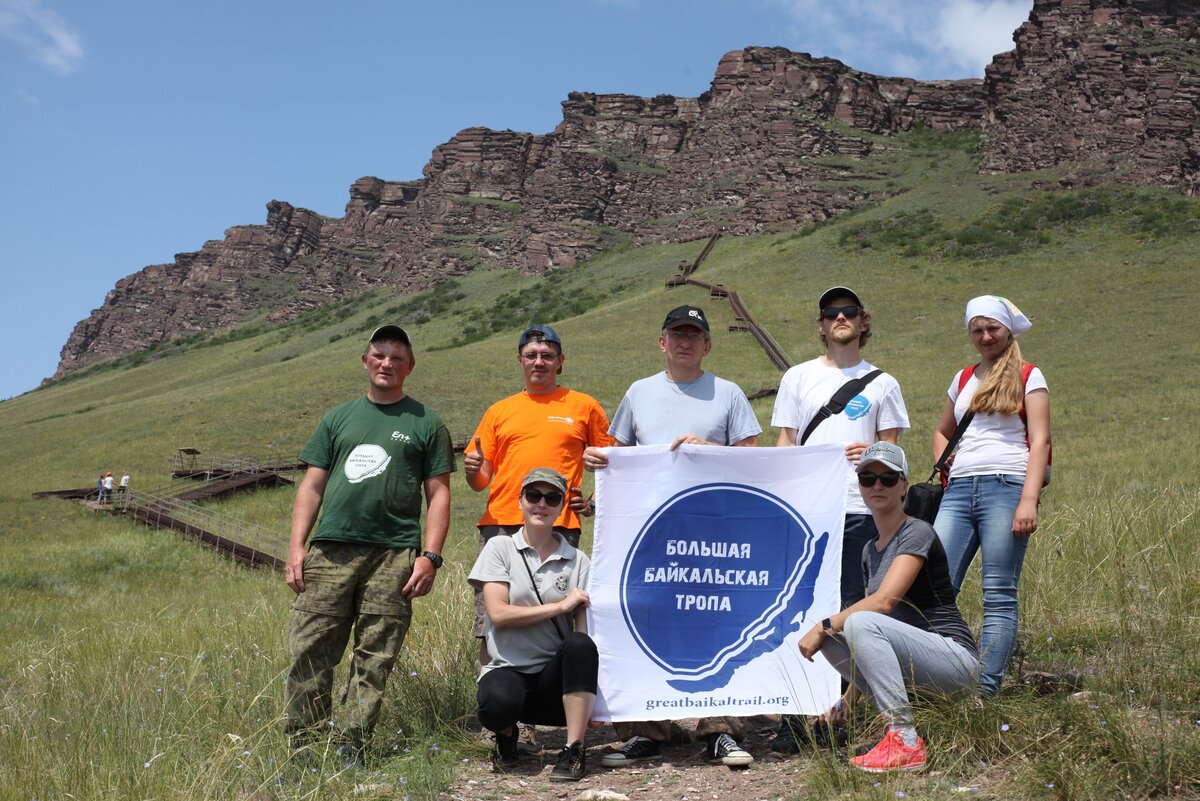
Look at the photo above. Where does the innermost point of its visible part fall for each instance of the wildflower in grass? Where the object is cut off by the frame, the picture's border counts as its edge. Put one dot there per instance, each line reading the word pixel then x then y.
pixel 1003 727
pixel 899 794
pixel 404 780
pixel 434 748
pixel 412 672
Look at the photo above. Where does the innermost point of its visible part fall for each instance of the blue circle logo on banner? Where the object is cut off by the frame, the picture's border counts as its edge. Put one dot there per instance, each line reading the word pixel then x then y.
pixel 716 577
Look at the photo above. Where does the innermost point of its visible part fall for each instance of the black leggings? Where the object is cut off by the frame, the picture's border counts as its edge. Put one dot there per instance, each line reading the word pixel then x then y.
pixel 507 696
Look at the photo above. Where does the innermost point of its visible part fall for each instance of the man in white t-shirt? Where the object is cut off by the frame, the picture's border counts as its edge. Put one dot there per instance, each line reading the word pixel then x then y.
pixel 683 404
pixel 875 413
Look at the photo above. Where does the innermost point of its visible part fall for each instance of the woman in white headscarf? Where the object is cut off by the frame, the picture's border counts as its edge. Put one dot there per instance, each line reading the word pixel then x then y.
pixel 997 473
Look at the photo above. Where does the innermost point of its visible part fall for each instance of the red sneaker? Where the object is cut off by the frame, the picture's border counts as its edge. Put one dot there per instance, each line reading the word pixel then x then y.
pixel 892 754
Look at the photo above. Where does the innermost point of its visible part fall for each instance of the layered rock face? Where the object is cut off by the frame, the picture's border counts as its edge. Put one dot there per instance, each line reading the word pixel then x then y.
pixel 1104 80
pixel 1111 82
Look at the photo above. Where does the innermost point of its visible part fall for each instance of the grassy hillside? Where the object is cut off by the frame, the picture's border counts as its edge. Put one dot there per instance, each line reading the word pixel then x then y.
pixel 134 665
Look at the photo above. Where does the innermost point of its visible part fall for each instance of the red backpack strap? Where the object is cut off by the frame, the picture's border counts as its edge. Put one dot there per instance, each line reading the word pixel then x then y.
pixel 1026 371
pixel 965 376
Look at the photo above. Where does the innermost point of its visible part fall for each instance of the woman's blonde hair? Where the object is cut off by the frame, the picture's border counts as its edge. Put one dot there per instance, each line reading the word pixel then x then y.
pixel 1002 391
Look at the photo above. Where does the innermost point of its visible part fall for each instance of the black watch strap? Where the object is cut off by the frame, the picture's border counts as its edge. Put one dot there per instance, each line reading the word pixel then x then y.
pixel 436 558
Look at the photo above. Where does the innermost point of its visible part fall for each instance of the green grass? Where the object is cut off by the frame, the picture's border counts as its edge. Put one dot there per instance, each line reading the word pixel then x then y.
pixel 98 614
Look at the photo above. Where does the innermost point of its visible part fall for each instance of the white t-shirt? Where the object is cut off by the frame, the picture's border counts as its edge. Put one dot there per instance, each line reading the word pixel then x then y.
pixel 993 444
pixel 807 387
pixel 657 411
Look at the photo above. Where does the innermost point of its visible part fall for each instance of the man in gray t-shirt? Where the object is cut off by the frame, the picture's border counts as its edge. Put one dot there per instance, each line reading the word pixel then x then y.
pixel 682 404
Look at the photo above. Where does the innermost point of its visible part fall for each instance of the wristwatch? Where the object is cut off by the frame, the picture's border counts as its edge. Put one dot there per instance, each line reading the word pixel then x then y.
pixel 827 626
pixel 436 558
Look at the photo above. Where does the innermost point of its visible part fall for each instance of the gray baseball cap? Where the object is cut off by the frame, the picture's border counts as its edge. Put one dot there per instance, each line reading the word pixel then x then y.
pixel 886 454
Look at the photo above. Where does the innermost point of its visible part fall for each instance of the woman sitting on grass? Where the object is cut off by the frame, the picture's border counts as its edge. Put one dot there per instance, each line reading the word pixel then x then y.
pixel 541 672
pixel 907 632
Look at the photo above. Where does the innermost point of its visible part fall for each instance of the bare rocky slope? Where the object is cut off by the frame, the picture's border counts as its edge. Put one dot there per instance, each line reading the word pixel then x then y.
pixel 1111 83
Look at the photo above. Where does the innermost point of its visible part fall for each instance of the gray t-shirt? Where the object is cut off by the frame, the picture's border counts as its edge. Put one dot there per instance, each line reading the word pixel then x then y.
pixel 929 603
pixel 528 648
pixel 656 411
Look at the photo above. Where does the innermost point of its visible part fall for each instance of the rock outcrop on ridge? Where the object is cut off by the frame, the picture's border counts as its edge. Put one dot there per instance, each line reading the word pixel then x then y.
pixel 1108 81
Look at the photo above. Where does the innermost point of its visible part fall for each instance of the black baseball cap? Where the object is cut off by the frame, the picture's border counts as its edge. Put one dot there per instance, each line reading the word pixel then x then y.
pixel 838 292
pixel 539 333
pixel 686 315
pixel 390 332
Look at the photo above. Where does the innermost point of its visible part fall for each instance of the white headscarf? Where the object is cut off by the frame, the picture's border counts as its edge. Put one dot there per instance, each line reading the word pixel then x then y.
pixel 1002 310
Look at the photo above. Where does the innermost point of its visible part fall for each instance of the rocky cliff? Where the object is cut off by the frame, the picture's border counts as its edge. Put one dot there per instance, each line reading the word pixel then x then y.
pixel 1112 81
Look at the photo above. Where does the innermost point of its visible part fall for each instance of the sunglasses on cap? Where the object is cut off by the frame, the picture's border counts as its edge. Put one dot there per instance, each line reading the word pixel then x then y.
pixel 832 312
pixel 888 478
pixel 553 498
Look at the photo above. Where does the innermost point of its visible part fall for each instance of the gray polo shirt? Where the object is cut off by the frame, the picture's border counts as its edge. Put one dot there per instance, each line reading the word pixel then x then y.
pixel 656 411
pixel 528 648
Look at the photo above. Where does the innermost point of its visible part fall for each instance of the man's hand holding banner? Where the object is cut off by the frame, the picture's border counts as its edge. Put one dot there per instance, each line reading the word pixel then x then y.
pixel 708 564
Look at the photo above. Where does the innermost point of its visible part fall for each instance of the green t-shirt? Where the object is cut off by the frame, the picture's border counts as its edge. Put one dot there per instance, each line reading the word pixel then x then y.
pixel 378 457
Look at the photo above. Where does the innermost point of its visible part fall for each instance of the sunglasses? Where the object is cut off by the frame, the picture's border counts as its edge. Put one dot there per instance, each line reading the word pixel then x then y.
pixel 551 498
pixel 889 478
pixel 832 312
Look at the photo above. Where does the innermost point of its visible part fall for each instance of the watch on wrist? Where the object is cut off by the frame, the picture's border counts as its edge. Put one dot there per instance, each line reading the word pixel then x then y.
pixel 827 626
pixel 436 558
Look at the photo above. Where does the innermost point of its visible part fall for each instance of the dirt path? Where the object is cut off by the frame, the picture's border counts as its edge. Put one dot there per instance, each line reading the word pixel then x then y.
pixel 683 773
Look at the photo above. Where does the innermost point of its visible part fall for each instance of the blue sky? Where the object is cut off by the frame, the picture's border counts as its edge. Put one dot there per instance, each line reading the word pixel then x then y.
pixel 132 130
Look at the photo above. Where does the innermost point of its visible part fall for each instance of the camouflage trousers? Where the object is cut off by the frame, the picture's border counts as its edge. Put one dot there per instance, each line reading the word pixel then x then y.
pixel 348 588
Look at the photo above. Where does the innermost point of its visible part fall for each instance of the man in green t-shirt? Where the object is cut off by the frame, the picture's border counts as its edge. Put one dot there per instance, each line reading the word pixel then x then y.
pixel 368 461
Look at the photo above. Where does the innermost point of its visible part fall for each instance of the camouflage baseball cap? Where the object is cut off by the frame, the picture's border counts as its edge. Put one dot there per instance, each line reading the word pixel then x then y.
pixel 544 475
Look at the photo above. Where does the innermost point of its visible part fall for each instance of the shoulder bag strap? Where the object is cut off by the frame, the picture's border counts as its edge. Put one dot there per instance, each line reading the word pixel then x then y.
pixel 838 402
pixel 952 443
pixel 533 582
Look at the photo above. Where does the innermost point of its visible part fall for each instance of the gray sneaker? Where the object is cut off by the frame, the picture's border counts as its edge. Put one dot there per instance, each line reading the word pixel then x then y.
pixel 724 750
pixel 635 749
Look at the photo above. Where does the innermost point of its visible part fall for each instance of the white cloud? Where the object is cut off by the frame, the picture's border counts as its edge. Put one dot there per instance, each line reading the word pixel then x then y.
pixel 42 34
pixel 973 31
pixel 912 38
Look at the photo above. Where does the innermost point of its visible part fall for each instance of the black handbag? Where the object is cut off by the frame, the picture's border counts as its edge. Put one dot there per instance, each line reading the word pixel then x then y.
pixel 925 498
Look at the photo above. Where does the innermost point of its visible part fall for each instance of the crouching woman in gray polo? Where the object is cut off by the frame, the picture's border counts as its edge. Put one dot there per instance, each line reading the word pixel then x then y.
pixel 908 631
pixel 543 663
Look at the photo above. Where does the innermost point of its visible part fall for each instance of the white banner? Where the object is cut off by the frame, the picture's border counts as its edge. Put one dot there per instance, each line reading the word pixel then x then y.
pixel 708 564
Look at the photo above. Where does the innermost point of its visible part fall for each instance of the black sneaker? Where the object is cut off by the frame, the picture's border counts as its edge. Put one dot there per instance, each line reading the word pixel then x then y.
pixel 350 756
pixel 571 765
pixel 505 755
pixel 724 750
pixel 789 735
pixel 830 735
pixel 635 749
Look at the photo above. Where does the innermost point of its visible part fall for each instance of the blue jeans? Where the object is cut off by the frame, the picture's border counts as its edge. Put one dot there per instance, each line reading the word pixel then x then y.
pixel 976 516
pixel 859 530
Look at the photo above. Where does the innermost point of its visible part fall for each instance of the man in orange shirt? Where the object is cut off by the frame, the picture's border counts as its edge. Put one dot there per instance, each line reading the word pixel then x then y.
pixel 544 425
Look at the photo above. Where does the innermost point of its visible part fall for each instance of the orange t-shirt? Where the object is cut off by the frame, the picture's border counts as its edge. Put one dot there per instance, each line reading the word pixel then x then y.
pixel 525 431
